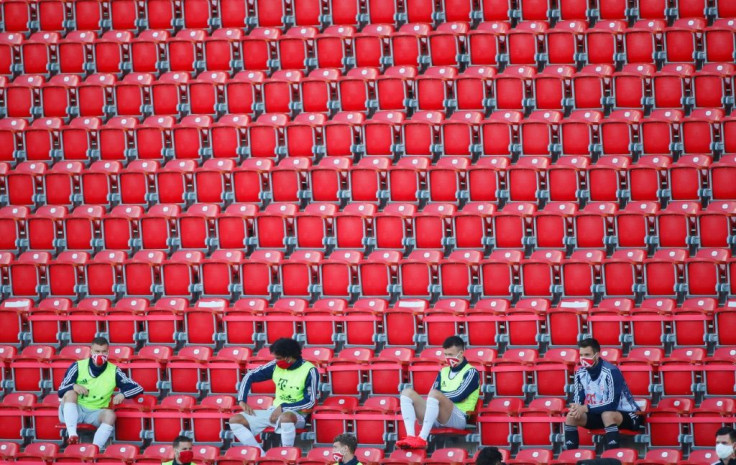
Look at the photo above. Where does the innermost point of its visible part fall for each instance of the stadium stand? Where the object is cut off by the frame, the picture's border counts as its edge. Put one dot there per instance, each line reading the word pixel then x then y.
pixel 194 179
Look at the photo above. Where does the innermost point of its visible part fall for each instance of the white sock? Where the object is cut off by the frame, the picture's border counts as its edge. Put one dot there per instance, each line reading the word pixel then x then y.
pixel 244 435
pixel 102 435
pixel 71 417
pixel 288 434
pixel 409 415
pixel 430 416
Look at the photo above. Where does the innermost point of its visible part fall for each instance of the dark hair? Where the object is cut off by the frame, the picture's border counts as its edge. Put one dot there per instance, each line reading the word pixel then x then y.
pixel 453 341
pixel 727 430
pixel 590 342
pixel 489 456
pixel 287 348
pixel 181 438
pixel 100 341
pixel 347 440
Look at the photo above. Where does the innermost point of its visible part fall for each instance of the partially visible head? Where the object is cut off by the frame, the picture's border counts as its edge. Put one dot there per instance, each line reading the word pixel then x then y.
pixel 99 350
pixel 489 456
pixel 453 348
pixel 725 442
pixel 343 447
pixel 183 449
pixel 286 351
pixel 590 352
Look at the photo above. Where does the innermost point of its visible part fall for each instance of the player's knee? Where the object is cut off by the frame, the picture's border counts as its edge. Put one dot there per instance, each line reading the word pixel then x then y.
pixel 610 418
pixel 409 392
pixel 435 394
pixel 239 420
pixel 70 396
pixel 107 416
pixel 287 417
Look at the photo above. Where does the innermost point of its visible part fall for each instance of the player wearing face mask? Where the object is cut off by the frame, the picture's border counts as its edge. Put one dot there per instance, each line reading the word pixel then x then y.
pixel 343 450
pixel 87 389
pixel 454 394
pixel 183 453
pixel 296 383
pixel 602 399
pixel 726 446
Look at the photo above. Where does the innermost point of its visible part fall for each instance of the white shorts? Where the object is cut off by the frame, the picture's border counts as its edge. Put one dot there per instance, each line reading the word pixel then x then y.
pixel 457 420
pixel 260 421
pixel 86 416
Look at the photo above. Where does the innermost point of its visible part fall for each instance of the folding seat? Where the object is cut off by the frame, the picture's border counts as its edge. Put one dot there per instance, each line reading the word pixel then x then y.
pixel 435 88
pixel 243 92
pixel 512 371
pixel 296 48
pixel 681 372
pixel 693 320
pixel 267 136
pixel 639 369
pixel 395 87
pixel 142 273
pixel 594 224
pixel 30 369
pixel 319 92
pixel 185 51
pixel 353 226
pixel 13 229
pixel 604 41
pixel 591 86
pixel 712 414
pixel 714 224
pixel 666 428
pixel 622 272
pixel 10 52
pixel 707 272
pixel 608 177
pixel 137 182
pixel 275 226
pixel 526 44
pixel 17 16
pixel 671 86
pixel 157 453
pixel 251 180
pixel 620 132
pixel 419 274
pixel 197 226
pixel 421 132
pixel 540 426
pixel 39 53
pixel 500 134
pixel 720 172
pixel 208 423
pixel 512 225
pixel 168 94
pixel 116 138
pixel 11 139
pixel 448 179
pixel 383 137
pixel 45 228
pixel 299 275
pixel 88 15
pixel 25 183
pixel 423 368
pixel 41 452
pixel 689 176
pixel 552 86
pixel 582 273
pixel 259 273
pixel 713 85
pixel 487 43
pixel 541 273
pixel 447 43
pixel 65 272
pixel 635 224
pixel 378 272
pixel 179 273
pixel 540 135
pixel 112 52
pixel 496 421
pixel 372 45
pixel 664 272
pixel 334 46
pixel 718 41
pixel 683 41
pixel 649 324
pixel 258 47
pixel 98 182
pixel 474 88
pixel 676 224
pixel 648 178
pixel 632 86
pixel 514 87
pixel 281 92
pixel 42 138
pixel 407 179
pixel 23 96
pixel 357 89
pixel 526 179
pixel 314 226
pixel 222 50
pixel 432 227
pixel 77 140
pixel 207 93
pixel 701 132
pixel 28 272
pixel 115 453
pixel 174 181
pixel 473 225
pixel 644 40
pixel 289 179
pixel 168 417
pixel 74 50
pixel 459 274
pixel 102 273
pixel 191 138
pixel 667 456
pixel 213 181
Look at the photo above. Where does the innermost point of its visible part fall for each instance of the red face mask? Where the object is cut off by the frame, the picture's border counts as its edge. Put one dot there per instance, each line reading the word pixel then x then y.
pixel 186 456
pixel 587 362
pixel 337 457
pixel 283 364
pixel 453 361
pixel 99 359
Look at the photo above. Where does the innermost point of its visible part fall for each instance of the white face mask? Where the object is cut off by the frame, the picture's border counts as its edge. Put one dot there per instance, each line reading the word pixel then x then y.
pixel 724 451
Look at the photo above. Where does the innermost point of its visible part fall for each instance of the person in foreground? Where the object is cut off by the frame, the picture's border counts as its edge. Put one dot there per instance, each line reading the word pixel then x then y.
pixel 454 394
pixel 296 383
pixel 183 454
pixel 725 446
pixel 86 390
pixel 602 399
pixel 343 450
pixel 489 456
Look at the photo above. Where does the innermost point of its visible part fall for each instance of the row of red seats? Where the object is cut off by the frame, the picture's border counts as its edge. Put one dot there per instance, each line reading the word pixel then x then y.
pixel 56 15
pixel 399 88
pixel 451 44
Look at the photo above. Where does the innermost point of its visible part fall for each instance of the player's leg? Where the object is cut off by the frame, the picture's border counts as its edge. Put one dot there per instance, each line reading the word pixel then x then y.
pixel 241 429
pixel 288 420
pixel 438 409
pixel 611 422
pixel 105 419
pixel 572 438
pixel 413 406
pixel 69 415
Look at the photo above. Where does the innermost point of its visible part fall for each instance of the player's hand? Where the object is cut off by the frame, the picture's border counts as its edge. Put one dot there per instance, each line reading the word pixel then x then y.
pixel 275 415
pixel 80 390
pixel 118 399
pixel 247 409
pixel 575 410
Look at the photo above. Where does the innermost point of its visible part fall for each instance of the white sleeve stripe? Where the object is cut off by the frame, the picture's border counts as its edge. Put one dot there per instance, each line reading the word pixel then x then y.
pixel 243 383
pixel 69 380
pixel 466 382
